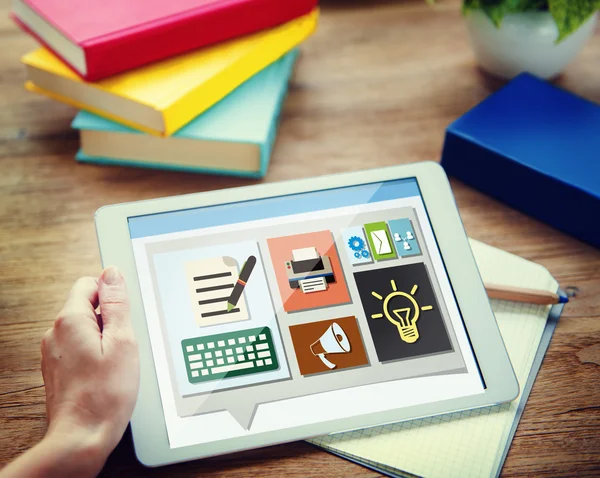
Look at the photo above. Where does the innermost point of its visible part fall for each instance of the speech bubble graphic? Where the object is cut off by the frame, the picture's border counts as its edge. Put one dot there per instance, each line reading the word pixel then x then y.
pixel 242 398
pixel 242 403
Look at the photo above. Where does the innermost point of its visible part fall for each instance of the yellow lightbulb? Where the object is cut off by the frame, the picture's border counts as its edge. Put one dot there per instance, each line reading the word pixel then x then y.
pixel 407 325
pixel 404 319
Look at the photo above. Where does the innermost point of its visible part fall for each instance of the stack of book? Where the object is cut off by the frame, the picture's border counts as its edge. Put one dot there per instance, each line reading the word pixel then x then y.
pixel 192 85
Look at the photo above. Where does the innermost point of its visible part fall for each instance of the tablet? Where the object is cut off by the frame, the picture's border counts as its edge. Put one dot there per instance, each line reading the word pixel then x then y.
pixel 277 312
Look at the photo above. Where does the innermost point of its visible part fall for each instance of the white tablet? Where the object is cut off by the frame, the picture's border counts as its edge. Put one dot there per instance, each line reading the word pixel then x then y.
pixel 282 311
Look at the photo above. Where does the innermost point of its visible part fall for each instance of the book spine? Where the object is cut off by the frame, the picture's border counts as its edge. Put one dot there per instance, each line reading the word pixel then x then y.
pixel 211 24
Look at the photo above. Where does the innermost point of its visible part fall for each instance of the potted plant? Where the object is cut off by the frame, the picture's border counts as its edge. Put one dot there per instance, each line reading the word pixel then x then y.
pixel 538 36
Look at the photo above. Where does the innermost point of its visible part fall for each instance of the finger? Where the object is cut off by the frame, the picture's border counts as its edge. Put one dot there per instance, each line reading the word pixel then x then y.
pixel 81 303
pixel 85 289
pixel 46 341
pixel 113 300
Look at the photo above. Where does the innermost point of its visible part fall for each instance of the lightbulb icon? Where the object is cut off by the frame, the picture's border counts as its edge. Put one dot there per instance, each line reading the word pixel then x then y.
pixel 405 319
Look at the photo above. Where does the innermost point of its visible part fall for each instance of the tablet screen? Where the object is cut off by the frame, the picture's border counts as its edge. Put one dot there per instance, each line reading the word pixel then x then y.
pixel 276 313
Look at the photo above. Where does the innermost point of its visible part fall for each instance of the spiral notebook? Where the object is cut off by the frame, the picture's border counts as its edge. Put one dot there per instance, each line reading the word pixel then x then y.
pixel 472 443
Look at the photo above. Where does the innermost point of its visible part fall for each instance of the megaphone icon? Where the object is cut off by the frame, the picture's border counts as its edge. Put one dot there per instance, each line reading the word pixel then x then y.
pixel 333 341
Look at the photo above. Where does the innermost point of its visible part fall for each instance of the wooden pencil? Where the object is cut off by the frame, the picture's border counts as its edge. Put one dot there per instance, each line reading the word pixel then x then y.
pixel 518 294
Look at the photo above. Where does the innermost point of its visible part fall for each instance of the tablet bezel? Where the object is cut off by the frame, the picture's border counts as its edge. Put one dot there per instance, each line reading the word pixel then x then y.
pixel 150 435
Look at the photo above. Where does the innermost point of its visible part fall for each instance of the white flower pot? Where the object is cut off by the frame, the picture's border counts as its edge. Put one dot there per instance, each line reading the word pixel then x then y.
pixel 525 42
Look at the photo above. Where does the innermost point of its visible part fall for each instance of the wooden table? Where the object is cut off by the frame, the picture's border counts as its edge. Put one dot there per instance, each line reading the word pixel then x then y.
pixel 376 86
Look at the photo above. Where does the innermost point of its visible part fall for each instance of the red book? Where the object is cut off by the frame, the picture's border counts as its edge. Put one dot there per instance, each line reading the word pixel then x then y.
pixel 100 38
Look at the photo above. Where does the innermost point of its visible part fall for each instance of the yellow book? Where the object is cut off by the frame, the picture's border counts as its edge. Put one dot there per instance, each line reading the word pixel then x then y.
pixel 162 97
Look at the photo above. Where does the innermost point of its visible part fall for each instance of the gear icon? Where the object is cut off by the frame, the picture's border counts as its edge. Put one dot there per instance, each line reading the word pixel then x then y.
pixel 357 255
pixel 365 253
pixel 356 243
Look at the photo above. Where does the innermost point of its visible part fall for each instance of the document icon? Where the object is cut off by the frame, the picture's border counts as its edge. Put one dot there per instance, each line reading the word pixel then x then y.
pixel 380 241
pixel 211 282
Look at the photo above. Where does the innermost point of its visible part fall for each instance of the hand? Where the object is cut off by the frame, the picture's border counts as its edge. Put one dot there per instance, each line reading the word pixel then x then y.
pixel 90 363
pixel 90 366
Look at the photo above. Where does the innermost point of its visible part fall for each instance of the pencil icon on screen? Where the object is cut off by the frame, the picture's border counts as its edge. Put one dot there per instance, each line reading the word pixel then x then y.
pixel 241 282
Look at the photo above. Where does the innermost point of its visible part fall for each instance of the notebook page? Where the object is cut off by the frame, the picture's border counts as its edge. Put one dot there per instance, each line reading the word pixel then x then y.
pixel 467 443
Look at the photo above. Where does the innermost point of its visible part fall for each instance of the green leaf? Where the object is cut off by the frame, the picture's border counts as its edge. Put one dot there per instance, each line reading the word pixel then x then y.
pixel 469 5
pixel 497 9
pixel 569 15
pixel 537 5
pixel 495 13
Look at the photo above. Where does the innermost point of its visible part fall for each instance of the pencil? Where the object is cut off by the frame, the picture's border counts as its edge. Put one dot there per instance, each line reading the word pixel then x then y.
pixel 241 283
pixel 518 294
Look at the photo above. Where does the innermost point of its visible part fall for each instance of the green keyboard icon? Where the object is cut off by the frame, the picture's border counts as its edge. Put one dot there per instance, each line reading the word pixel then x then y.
pixel 228 355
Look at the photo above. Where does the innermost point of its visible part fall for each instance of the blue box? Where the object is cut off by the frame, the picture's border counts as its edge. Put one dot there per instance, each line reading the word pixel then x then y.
pixel 535 147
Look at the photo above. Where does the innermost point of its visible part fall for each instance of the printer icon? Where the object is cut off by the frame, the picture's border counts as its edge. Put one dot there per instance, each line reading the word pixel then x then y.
pixel 308 271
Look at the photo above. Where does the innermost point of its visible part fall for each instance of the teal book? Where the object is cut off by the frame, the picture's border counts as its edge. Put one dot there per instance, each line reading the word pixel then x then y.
pixel 234 137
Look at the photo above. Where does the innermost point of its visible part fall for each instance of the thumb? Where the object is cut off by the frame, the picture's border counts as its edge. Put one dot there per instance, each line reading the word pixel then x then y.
pixel 113 301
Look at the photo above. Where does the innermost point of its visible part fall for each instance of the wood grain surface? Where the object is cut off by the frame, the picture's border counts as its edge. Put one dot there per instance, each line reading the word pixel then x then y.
pixel 376 86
